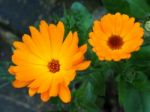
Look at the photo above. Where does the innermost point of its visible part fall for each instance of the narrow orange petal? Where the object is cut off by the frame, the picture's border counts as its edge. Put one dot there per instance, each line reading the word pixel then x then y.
pixel 11 70
pixel 32 91
pixel 84 65
pixel 19 84
pixel 83 48
pixel 64 93
pixel 45 96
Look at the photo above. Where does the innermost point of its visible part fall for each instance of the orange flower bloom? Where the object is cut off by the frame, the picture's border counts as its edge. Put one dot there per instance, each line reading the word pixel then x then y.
pixel 46 63
pixel 114 37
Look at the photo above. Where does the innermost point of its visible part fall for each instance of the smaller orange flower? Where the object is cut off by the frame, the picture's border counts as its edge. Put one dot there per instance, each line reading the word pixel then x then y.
pixel 115 37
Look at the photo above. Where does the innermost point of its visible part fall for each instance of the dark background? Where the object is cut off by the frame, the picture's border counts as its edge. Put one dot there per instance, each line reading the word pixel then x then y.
pixel 15 17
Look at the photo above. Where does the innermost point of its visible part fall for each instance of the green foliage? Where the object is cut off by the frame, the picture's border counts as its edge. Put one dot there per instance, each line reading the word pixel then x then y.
pixel 141 82
pixel 79 19
pixel 142 55
pixel 136 8
pixel 4 71
pixel 133 88
pixel 139 8
pixel 85 98
pixel 98 81
pixel 116 6
pixel 132 99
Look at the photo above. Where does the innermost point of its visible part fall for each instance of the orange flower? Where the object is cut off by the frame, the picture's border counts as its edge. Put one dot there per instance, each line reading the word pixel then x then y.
pixel 114 37
pixel 46 63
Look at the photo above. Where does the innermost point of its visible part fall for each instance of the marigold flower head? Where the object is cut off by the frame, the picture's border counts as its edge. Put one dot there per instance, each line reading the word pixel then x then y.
pixel 115 37
pixel 46 63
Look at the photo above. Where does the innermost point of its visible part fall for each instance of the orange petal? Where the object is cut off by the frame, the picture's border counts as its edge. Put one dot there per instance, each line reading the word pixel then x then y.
pixel 40 42
pixel 61 29
pixel 37 83
pixel 30 72
pixel 45 34
pixel 19 84
pixel 27 57
pixel 64 93
pixel 68 76
pixel 32 91
pixel 45 96
pixel 106 24
pixel 56 39
pixel 57 79
pixel 83 48
pixel 18 45
pixel 77 58
pixel 11 70
pixel 66 44
pixel 83 65
pixel 31 46
pixel 45 85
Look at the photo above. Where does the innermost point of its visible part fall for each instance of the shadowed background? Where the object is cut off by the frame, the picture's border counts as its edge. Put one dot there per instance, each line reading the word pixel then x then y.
pixel 15 17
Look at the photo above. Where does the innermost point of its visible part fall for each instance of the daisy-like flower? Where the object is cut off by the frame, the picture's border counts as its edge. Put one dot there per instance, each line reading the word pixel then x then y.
pixel 46 63
pixel 115 37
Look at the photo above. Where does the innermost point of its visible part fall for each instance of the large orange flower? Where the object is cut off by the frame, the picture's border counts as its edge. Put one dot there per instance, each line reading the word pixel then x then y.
pixel 114 37
pixel 46 63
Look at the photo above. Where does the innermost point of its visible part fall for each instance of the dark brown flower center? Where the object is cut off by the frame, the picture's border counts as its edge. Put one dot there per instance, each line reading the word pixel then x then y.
pixel 115 42
pixel 54 66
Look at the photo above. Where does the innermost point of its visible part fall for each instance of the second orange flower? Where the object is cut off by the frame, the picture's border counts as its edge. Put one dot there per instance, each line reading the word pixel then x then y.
pixel 115 37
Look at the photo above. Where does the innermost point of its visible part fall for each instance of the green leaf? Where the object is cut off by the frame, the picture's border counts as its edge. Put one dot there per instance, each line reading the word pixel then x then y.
pixel 139 8
pixel 114 6
pixel 145 96
pixel 135 77
pixel 142 55
pixel 78 19
pixel 85 92
pixel 141 82
pixel 91 107
pixel 132 99
pixel 136 8
pixel 99 82
pixel 85 98
pixel 122 91
pixel 85 19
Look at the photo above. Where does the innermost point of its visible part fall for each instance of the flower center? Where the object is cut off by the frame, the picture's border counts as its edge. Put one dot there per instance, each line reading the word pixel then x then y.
pixel 54 66
pixel 115 42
